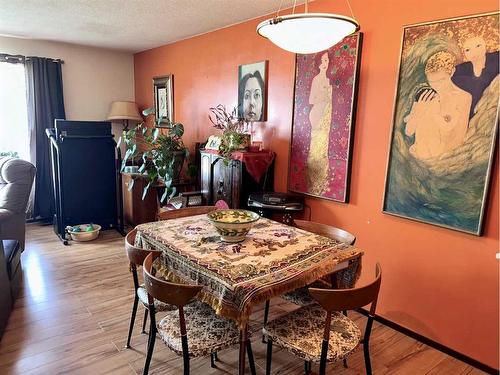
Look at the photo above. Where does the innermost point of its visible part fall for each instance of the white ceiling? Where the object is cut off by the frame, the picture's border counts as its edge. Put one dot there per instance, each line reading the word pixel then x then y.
pixel 129 25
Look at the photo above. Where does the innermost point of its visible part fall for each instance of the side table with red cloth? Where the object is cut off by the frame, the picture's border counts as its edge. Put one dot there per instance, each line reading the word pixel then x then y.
pixel 257 163
pixel 233 180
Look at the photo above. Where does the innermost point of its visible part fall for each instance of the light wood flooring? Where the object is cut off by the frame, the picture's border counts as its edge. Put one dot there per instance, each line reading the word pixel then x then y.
pixel 73 313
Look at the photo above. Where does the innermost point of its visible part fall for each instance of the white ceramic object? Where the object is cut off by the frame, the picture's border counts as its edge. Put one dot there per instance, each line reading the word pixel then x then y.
pixel 233 225
pixel 83 235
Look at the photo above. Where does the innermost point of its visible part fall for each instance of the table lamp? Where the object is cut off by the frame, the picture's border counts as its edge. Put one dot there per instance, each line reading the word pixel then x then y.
pixel 125 111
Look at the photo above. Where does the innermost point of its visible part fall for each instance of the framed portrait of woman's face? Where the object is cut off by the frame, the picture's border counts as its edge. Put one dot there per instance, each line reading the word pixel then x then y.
pixel 252 91
pixel 445 122
pixel 163 97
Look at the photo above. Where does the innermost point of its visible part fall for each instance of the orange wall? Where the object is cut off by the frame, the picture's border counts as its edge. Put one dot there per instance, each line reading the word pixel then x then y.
pixel 440 283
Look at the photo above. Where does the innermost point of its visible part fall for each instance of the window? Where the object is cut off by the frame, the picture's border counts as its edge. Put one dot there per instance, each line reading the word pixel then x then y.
pixel 13 110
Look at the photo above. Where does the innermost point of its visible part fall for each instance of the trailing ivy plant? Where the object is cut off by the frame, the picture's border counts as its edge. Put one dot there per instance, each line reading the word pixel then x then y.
pixel 162 154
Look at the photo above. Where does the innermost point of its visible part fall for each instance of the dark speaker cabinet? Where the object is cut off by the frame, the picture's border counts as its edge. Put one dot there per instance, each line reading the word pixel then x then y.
pixel 229 180
pixel 84 175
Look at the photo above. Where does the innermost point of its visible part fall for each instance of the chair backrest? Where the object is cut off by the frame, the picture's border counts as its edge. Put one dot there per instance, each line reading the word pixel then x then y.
pixel 135 254
pixel 166 291
pixel 183 212
pixel 221 205
pixel 326 231
pixel 349 299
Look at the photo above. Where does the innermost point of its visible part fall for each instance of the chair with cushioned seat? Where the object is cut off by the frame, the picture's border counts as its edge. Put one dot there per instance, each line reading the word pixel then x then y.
pixel 193 329
pixel 320 332
pixel 136 258
pixel 301 296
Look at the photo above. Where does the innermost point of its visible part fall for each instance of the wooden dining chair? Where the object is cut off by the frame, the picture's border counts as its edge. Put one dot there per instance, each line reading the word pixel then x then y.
pixel 191 330
pixel 136 258
pixel 320 332
pixel 301 296
pixel 183 212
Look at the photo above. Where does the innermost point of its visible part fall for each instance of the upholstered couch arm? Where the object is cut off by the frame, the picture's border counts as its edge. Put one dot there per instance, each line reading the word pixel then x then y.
pixel 16 180
pixel 12 226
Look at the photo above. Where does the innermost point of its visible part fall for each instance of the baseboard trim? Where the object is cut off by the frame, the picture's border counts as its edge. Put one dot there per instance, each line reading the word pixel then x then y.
pixel 433 344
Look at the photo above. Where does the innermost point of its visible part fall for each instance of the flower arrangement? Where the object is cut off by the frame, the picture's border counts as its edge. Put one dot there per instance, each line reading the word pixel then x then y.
pixel 227 122
pixel 233 130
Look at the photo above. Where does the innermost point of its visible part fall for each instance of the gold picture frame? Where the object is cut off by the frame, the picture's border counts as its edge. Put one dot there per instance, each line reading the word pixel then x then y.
pixel 163 99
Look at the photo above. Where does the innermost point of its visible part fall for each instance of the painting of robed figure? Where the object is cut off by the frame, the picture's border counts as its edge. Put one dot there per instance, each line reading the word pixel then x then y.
pixel 323 120
pixel 445 122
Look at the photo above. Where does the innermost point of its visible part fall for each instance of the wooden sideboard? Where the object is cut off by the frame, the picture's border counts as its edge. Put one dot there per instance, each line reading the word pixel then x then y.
pixel 136 210
pixel 230 181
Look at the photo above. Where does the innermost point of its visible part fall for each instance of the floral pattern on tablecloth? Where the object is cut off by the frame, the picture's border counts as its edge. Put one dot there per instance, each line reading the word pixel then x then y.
pixel 273 259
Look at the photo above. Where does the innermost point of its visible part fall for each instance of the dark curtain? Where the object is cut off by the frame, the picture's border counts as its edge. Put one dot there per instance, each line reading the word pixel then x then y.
pixel 45 104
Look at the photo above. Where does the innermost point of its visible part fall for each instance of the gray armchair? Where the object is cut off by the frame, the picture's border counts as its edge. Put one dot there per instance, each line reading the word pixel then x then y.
pixel 16 180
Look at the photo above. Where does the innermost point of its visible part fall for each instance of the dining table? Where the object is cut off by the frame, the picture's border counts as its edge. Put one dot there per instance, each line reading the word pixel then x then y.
pixel 273 259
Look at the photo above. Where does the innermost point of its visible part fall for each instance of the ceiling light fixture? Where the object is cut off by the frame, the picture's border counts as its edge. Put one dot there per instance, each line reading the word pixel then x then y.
pixel 307 32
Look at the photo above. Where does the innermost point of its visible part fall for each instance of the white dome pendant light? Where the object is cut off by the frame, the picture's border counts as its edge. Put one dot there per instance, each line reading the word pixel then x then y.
pixel 307 32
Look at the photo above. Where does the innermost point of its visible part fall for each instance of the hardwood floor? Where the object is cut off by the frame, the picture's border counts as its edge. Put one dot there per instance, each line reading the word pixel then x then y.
pixel 73 313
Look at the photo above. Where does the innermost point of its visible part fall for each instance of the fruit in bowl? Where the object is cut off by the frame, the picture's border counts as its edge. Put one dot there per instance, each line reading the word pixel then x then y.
pixel 233 225
pixel 83 232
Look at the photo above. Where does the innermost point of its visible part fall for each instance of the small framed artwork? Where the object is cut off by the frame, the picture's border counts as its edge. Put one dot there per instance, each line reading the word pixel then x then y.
pixel 252 91
pixel 163 97
pixel 213 143
pixel 323 120
pixel 445 122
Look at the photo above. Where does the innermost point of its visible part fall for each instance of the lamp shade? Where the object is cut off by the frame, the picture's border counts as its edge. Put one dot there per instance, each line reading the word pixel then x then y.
pixel 307 32
pixel 124 111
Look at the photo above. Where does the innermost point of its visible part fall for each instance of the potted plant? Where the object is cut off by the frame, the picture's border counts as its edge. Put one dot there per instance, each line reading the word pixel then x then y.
pixel 233 136
pixel 162 153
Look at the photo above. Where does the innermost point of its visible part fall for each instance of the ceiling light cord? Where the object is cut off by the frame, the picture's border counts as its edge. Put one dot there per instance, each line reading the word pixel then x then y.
pixel 279 9
pixel 350 8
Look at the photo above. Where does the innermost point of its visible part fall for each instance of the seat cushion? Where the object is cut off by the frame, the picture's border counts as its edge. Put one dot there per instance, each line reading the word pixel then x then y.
pixel 159 306
pixel 206 331
pixel 301 333
pixel 301 296
pixel 12 252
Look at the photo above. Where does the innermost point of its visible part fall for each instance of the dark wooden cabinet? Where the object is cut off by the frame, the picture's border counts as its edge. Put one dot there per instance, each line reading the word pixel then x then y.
pixel 230 181
pixel 136 210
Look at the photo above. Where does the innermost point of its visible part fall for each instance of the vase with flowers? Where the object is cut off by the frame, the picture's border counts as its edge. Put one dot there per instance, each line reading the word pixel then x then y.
pixel 233 128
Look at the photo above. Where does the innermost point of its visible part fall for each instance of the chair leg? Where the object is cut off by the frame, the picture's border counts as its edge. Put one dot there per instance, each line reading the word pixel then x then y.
pixel 145 320
pixel 345 360
pixel 266 316
pixel 216 357
pixel 368 365
pixel 212 360
pixel 307 367
pixel 269 356
pixel 151 341
pixel 250 357
pixel 185 353
pixel 132 321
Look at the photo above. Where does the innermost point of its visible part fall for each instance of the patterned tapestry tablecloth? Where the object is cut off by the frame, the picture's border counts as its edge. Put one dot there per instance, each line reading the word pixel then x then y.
pixel 272 260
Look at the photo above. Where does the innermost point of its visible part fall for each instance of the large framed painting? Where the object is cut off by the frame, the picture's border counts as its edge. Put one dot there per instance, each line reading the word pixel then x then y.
pixel 445 122
pixel 163 98
pixel 252 91
pixel 323 120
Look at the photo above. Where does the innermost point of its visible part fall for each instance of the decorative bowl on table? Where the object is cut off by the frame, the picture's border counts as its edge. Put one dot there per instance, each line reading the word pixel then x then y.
pixel 83 232
pixel 233 225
